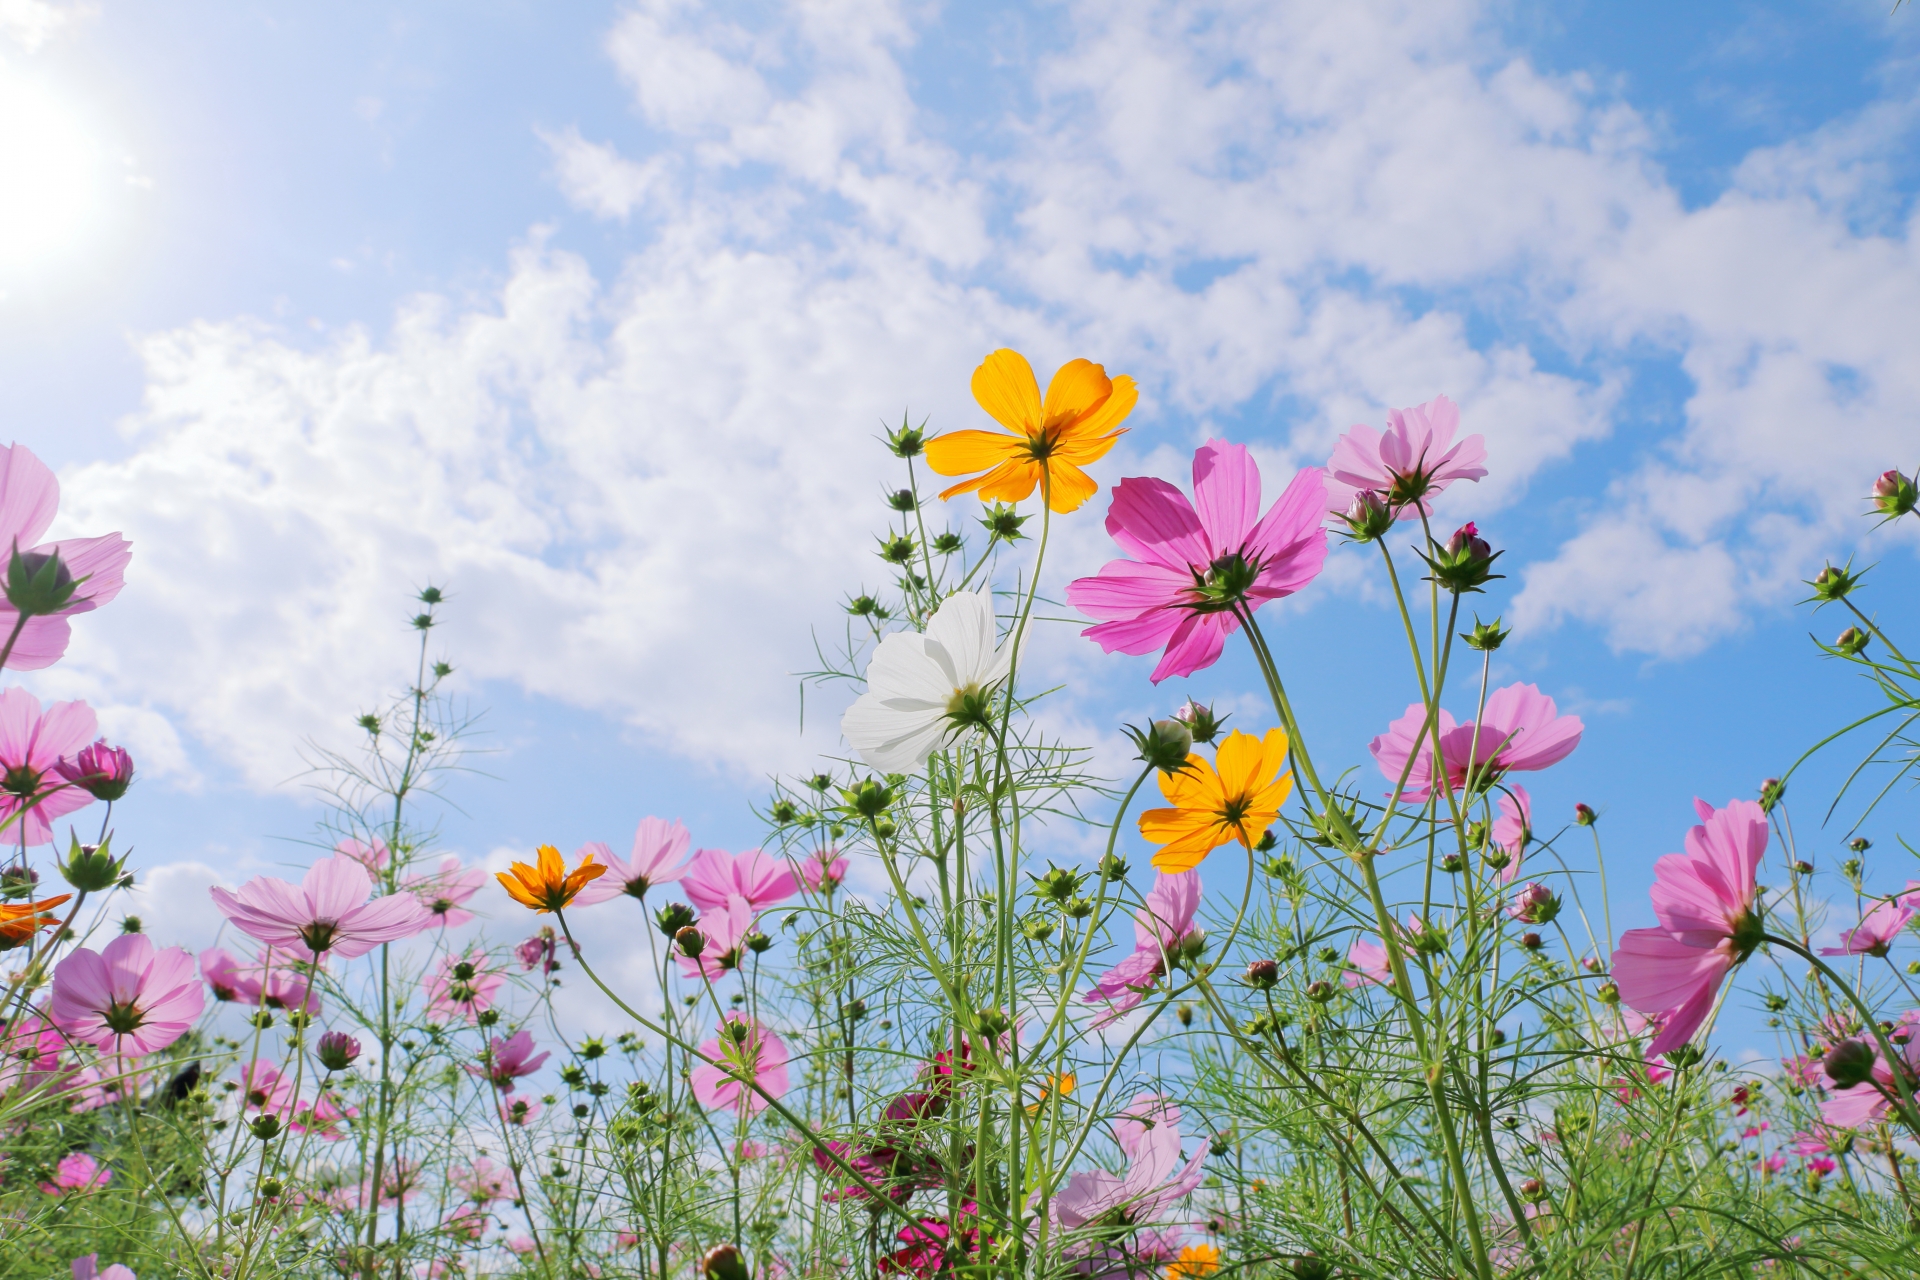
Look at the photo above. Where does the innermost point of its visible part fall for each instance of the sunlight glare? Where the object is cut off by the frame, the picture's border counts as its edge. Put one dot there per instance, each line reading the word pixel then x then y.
pixel 52 178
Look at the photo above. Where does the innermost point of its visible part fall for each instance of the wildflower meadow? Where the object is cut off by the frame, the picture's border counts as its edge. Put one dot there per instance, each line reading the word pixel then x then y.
pixel 1243 1010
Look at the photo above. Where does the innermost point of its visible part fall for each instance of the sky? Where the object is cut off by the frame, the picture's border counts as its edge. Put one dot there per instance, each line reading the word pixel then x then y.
pixel 590 314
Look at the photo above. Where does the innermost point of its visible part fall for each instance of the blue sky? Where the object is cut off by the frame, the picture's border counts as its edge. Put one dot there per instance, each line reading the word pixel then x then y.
pixel 588 313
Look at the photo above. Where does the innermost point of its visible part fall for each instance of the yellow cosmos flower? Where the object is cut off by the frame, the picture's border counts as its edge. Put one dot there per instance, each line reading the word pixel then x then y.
pixel 1195 1262
pixel 1238 801
pixel 1061 1085
pixel 548 886
pixel 1076 425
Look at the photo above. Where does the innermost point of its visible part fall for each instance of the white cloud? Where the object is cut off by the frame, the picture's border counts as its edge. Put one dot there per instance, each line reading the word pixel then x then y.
pixel 30 24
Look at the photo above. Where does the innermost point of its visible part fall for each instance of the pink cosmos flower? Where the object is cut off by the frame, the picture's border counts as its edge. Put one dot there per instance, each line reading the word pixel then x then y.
pixel 29 498
pixel 1366 965
pixel 88 1268
pixel 725 930
pixel 77 1172
pixel 224 977
pixel 1513 829
pixel 323 1117
pixel 1193 561
pixel 1148 1132
pixel 760 1059
pixel 103 772
pixel 1872 1100
pixel 823 870
pixel 519 1111
pixel 446 891
pixel 658 847
pixel 522 1245
pixel 465 1222
pixel 1160 927
pixel 128 998
pixel 30 1049
pixel 504 1061
pixel 712 877
pixel 282 987
pixel 265 1089
pixel 373 856
pixel 32 744
pixel 1521 729
pixel 482 1180
pixel 1876 932
pixel 103 1084
pixel 327 914
pixel 1408 466
pixel 1532 903
pixel 463 987
pixel 1704 899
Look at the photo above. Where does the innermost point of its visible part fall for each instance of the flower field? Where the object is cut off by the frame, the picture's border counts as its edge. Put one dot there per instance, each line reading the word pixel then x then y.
pixel 1233 1013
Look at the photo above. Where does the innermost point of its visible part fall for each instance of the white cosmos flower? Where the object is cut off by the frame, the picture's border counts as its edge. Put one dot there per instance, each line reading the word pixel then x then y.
pixel 922 687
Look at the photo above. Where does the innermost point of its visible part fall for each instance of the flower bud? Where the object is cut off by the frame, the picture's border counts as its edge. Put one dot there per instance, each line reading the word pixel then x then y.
pixel 1859 844
pixel 1320 991
pixel 1262 974
pixel 91 868
pixel 1535 904
pixel 18 882
pixel 101 771
pixel 1532 941
pixel 1058 886
pixel 1852 642
pixel 337 1050
pixel 1453 864
pixel 902 500
pixel 674 917
pixel 1803 867
pixel 1592 964
pixel 1079 908
pixel 738 1031
pixel 1367 516
pixel 1608 993
pixel 1002 523
pixel 758 943
pixel 1771 793
pixel 993 1023
pixel 908 441
pixel 1532 1191
pixel 1193 945
pixel 38 583
pixel 1113 867
pixel 723 1262
pixel 1833 583
pixel 1201 721
pixel 265 1127
pixel 1312 1267
pixel 1486 636
pixel 1466 563
pixel 690 941
pixel 1183 1013
pixel 1894 494
pixel 1165 745
pixel 868 798
pixel 1849 1063
pixel 1583 815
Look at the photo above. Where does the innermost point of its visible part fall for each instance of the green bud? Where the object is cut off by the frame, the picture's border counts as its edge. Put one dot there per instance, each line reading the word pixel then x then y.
pixel 1164 744
pixel 947 544
pixel 902 500
pixel 1200 721
pixel 1002 523
pixel 1465 563
pixel 1113 867
pixel 673 917
pixel 1772 791
pixel 1852 642
pixel 908 441
pixel 39 583
pixel 91 868
pixel 265 1127
pixel 1485 636
pixel 1832 584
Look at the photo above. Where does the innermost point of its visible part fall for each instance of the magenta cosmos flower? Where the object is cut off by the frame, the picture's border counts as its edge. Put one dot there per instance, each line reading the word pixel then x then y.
pixel 77 1172
pixel 33 744
pixel 658 847
pixel 1194 562
pixel 1521 729
pixel 504 1061
pixel 1409 465
pixel 276 987
pixel 1705 900
pixel 446 892
pixel 744 1053
pixel 712 877
pixel 1148 1132
pixel 1876 932
pixel 463 987
pixel 103 772
pixel 823 870
pixel 326 914
pixel 1366 965
pixel 127 998
pixel 1871 1101
pixel 29 499
pixel 724 931
pixel 88 1267
pixel 1160 928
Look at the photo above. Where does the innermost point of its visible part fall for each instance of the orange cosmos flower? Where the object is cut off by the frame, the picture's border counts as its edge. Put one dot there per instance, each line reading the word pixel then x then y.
pixel 1236 802
pixel 19 924
pixel 1076 425
pixel 1195 1262
pixel 548 886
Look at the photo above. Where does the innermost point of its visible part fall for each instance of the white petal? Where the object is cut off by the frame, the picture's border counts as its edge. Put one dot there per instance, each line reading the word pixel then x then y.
pixel 963 626
pixel 891 737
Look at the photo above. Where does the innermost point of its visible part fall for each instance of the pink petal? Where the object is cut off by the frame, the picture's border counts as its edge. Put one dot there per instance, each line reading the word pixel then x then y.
pixel 1195 645
pixel 1226 496
pixel 1153 521
pixel 29 498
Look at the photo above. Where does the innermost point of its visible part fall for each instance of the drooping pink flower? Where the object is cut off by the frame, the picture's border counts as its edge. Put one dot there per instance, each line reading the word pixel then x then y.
pixel 658 847
pixel 77 1172
pixel 823 870
pixel 284 987
pixel 462 986
pixel 482 1180
pixel 504 1061
pixel 101 771
pixel 1513 829
pixel 1408 466
pixel 32 744
pixel 712 877
pixel 725 930
pixel 1148 1132
pixel 1704 899
pixel 128 998
pixel 1366 965
pixel 751 1055
pixel 1876 932
pixel 541 951
pixel 1521 729
pixel 1160 928
pixel 88 1268
pixel 1534 904
pixel 446 892
pixel 224 977
pixel 29 499
pixel 327 914
pixel 465 1222
pixel 1194 562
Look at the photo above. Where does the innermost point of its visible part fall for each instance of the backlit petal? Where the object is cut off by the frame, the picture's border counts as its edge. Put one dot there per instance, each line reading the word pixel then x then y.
pixel 959 453
pixel 1005 387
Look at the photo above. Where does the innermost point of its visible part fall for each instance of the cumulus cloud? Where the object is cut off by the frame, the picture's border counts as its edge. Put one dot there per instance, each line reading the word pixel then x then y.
pixel 643 489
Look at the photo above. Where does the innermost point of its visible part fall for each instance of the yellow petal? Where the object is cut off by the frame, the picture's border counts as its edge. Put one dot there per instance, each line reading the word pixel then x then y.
pixel 1195 787
pixel 959 453
pixel 1011 481
pixel 1078 389
pixel 1068 486
pixel 1106 416
pixel 552 867
pixel 1005 387
pixel 1177 858
pixel 1244 761
pixel 515 890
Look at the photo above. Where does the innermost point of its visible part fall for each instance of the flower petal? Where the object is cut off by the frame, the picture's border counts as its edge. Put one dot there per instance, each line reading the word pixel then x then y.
pixel 1005 387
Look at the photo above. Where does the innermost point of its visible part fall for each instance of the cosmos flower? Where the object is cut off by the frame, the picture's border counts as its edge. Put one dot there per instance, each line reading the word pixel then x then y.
pixel 33 743
pixel 1050 440
pixel 1513 829
pixel 658 847
pixel 19 921
pixel 128 998
pixel 1366 965
pixel 547 885
pixel 482 1180
pixel 1875 933
pixel 462 987
pixel 1409 465
pixel 504 1061
pixel 1160 931
pixel 747 1053
pixel 923 689
pixel 1236 801
pixel 87 1267
pixel 103 772
pixel 1709 922
pixel 1520 729
pixel 29 499
pixel 371 854
pixel 1193 563
pixel 724 931
pixel 446 892
pixel 327 914
pixel 1148 1132
pixel 712 879
pixel 823 870
pixel 77 1172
